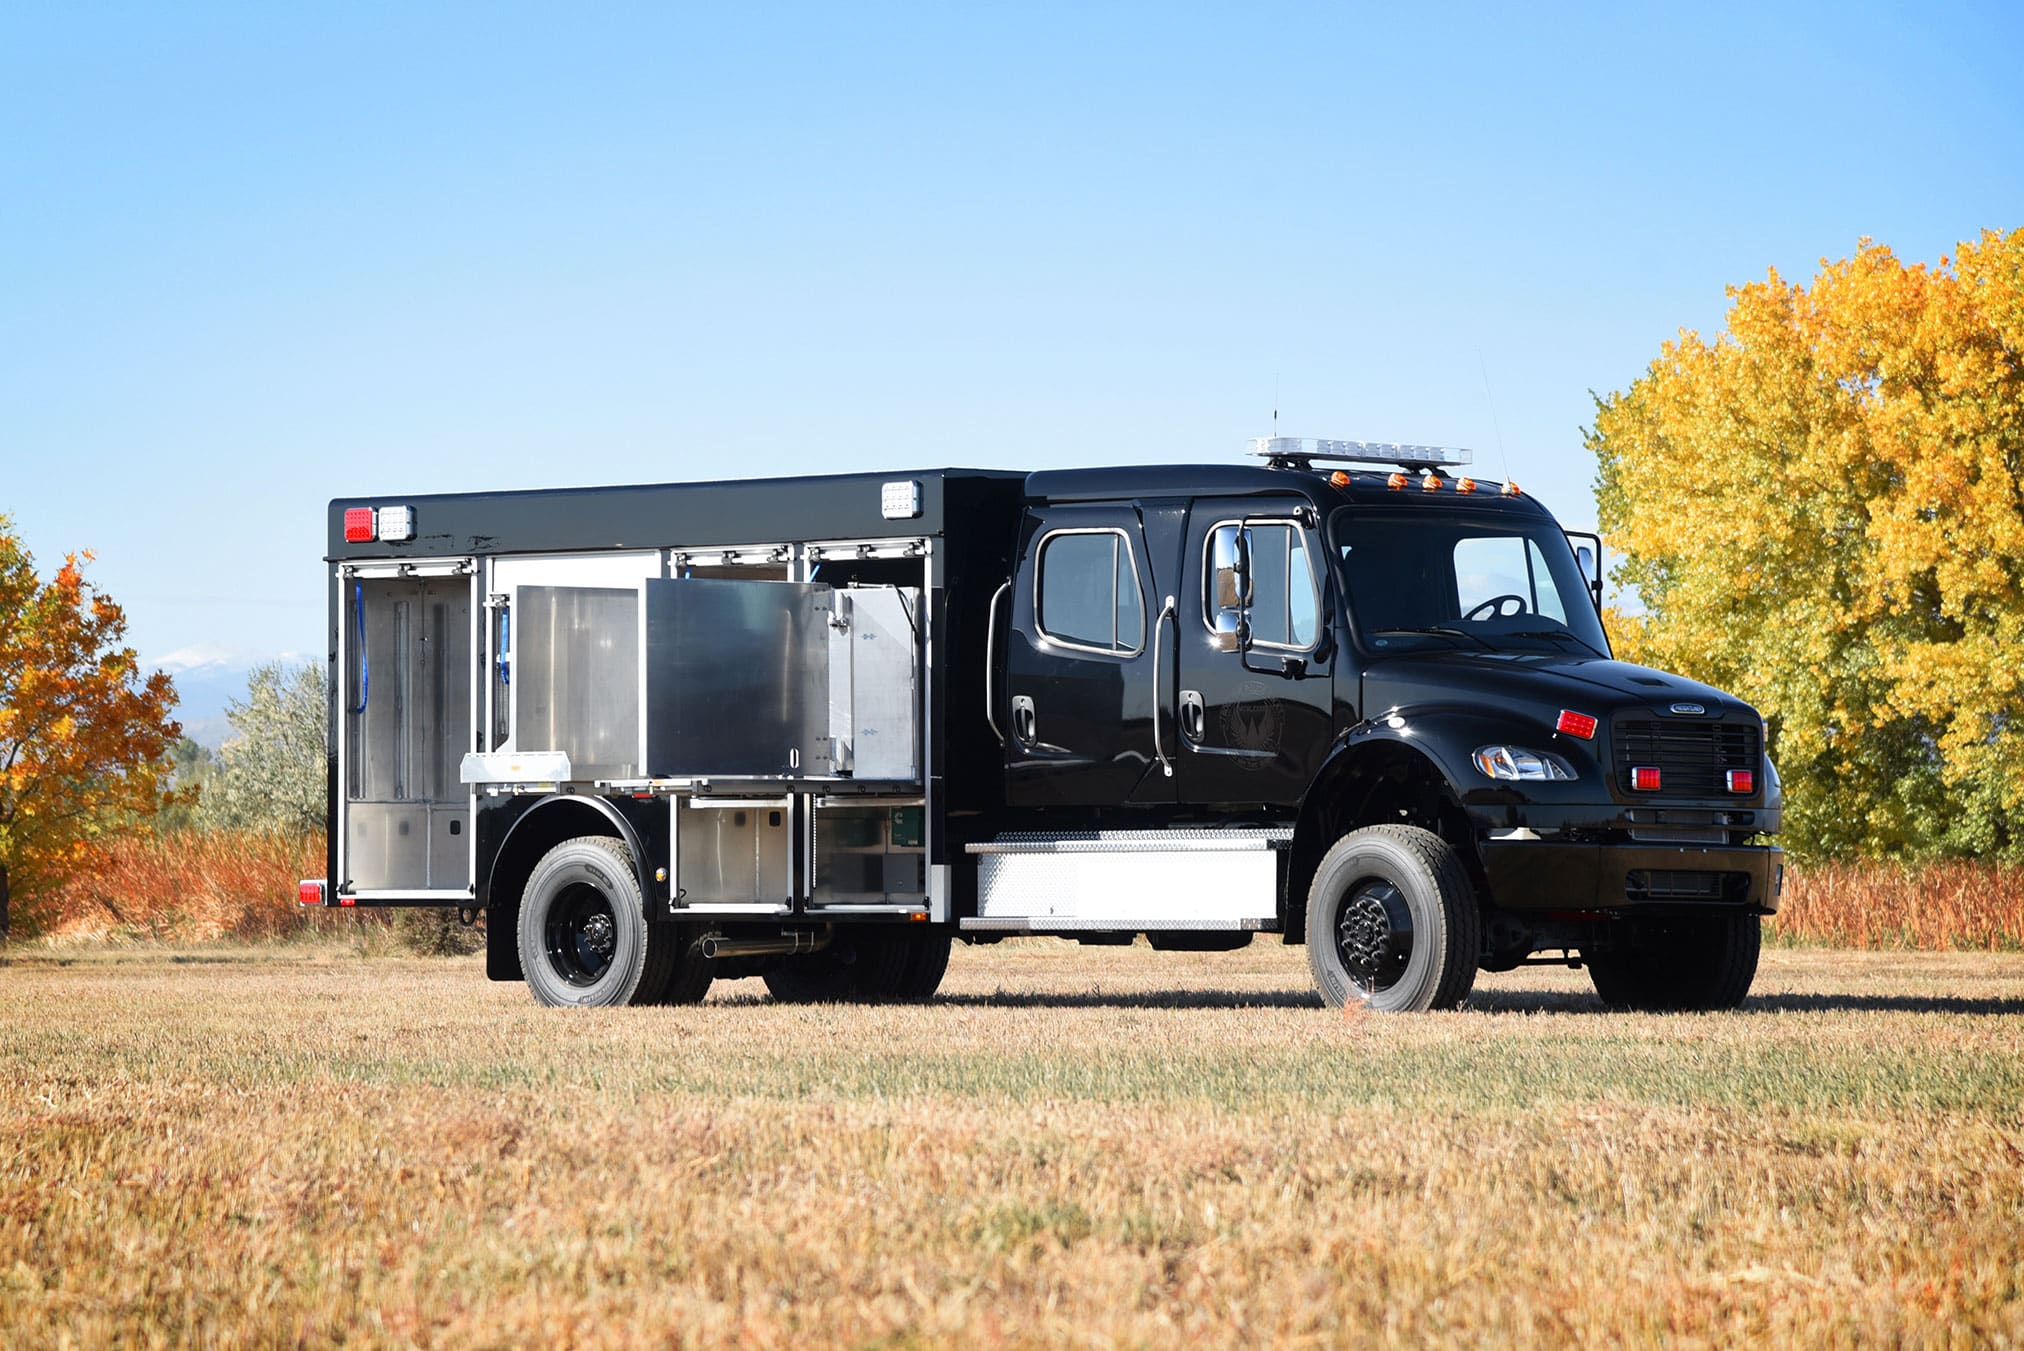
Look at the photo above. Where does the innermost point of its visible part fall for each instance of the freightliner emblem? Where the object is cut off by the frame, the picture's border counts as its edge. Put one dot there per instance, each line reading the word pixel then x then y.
pixel 1694 709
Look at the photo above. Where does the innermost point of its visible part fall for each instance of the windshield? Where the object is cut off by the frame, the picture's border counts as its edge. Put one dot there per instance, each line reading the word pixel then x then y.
pixel 1427 581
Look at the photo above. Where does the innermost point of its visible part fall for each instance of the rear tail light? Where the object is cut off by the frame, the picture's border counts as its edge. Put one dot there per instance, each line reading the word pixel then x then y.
pixel 1742 781
pixel 1576 724
pixel 1645 779
pixel 358 525
pixel 309 892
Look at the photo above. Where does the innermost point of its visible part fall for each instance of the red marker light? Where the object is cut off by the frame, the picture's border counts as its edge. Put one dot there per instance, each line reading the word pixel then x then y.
pixel 358 524
pixel 1576 724
pixel 309 893
pixel 1645 779
pixel 1742 781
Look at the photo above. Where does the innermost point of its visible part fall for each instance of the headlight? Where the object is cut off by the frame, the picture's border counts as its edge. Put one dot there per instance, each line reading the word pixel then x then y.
pixel 1514 762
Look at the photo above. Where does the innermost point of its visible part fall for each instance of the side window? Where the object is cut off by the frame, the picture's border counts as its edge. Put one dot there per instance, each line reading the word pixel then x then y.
pixel 1285 603
pixel 1089 592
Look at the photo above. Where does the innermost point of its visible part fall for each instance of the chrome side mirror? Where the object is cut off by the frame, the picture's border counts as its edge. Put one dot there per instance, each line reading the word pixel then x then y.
pixel 1230 633
pixel 1230 556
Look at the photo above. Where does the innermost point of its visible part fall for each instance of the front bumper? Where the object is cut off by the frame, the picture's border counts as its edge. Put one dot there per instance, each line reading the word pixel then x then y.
pixel 1553 875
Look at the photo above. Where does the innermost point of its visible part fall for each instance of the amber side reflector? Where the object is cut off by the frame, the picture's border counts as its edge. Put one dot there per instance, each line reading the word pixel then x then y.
pixel 1576 724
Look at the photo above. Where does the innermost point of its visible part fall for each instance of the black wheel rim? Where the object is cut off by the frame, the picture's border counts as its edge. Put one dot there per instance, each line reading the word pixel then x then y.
pixel 1374 936
pixel 581 934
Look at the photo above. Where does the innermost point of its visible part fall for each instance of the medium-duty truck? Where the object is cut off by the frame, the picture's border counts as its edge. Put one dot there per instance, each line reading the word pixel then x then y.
pixel 813 730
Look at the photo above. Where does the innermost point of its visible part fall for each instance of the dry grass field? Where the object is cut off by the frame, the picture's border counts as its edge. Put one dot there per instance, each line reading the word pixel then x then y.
pixel 1071 1147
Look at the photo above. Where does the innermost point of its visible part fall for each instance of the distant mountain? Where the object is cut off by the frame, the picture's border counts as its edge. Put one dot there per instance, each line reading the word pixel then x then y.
pixel 208 677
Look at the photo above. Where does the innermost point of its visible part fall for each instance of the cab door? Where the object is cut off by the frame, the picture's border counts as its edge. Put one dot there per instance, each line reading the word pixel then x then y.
pixel 1256 700
pixel 1088 663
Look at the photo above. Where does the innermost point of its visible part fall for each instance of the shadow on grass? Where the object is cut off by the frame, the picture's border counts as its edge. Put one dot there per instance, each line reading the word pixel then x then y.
pixel 1480 1001
pixel 1885 1003
pixel 1136 999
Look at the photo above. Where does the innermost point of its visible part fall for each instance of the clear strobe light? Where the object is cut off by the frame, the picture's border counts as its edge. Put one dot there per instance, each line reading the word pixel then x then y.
pixel 901 500
pixel 1307 448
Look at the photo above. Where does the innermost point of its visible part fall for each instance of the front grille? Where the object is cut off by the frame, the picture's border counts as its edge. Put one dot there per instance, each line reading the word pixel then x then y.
pixel 1663 884
pixel 1693 757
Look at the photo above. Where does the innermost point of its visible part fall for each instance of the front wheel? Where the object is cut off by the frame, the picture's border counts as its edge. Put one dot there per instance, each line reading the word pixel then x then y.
pixel 1392 921
pixel 1696 963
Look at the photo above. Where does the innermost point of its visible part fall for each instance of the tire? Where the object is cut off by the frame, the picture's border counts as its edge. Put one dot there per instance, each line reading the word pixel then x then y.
pixel 927 962
pixel 690 973
pixel 865 966
pixel 584 934
pixel 1392 922
pixel 1694 964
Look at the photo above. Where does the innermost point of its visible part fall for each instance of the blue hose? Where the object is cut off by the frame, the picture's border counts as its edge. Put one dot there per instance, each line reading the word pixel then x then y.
pixel 364 670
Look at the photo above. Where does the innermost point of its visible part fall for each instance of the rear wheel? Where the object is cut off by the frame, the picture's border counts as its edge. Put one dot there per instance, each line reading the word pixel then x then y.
pixel 1392 921
pixel 868 965
pixel 584 934
pixel 689 973
pixel 1700 962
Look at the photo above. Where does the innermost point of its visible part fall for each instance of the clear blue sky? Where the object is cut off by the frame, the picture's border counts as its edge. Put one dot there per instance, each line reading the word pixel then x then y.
pixel 255 258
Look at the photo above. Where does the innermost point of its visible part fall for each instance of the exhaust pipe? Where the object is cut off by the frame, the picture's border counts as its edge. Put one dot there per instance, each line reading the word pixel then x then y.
pixel 788 944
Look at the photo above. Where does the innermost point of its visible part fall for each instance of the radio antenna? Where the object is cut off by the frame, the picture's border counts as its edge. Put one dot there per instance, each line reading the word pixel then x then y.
pixel 1491 399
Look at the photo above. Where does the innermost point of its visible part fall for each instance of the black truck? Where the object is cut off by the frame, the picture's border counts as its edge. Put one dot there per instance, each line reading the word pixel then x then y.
pixel 815 729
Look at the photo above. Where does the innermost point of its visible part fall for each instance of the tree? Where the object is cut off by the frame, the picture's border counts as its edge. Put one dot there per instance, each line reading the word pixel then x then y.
pixel 272 773
pixel 1821 510
pixel 84 735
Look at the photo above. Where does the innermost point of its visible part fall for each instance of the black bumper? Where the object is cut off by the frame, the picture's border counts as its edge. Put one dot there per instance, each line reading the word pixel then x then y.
pixel 1550 875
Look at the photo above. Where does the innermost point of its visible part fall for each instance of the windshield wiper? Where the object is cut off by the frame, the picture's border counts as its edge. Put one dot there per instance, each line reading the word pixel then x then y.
pixel 1553 634
pixel 1446 633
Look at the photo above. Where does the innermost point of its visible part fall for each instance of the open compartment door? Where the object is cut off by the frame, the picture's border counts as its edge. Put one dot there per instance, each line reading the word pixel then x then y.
pixel 405 721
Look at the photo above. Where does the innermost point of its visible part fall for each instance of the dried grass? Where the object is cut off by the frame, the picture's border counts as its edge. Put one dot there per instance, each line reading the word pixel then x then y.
pixel 1074 1147
pixel 193 886
pixel 1936 907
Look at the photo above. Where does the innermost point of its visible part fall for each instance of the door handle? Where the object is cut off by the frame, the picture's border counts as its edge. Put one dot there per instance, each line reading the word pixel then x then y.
pixel 1025 725
pixel 1193 719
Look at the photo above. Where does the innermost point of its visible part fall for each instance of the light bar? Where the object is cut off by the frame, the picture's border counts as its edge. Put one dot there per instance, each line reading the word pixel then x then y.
pixel 1300 451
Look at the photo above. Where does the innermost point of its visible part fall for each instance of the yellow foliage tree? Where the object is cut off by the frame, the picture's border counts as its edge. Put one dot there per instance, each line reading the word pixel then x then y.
pixel 84 736
pixel 1823 510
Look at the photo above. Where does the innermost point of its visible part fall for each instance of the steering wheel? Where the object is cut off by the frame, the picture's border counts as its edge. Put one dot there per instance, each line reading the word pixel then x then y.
pixel 1493 608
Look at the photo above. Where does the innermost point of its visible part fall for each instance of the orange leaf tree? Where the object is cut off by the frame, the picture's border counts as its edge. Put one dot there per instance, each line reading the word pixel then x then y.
pixel 1823 509
pixel 84 735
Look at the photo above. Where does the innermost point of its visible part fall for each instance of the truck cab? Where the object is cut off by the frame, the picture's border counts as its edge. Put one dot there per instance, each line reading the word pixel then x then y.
pixel 815 730
pixel 1399 675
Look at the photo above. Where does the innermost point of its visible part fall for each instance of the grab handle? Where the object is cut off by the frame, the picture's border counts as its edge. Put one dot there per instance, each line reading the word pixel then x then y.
pixel 991 661
pixel 1166 612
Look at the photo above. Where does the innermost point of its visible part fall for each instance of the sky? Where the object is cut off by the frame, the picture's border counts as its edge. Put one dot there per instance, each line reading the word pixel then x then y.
pixel 256 258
